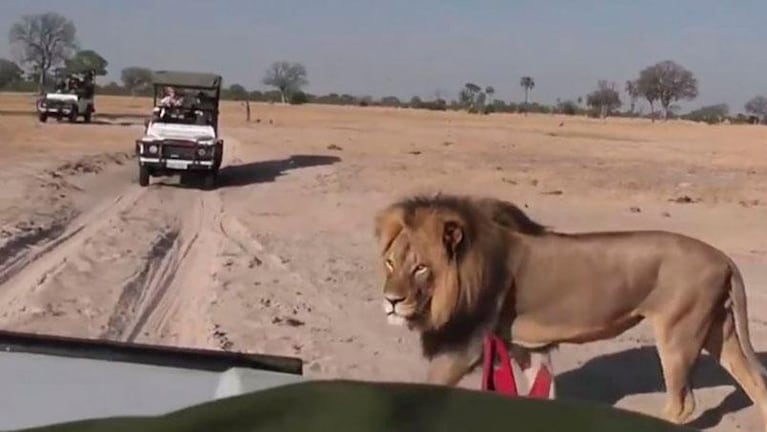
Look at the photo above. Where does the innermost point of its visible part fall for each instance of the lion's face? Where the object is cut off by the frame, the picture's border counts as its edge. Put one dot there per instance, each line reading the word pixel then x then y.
pixel 410 268
pixel 417 264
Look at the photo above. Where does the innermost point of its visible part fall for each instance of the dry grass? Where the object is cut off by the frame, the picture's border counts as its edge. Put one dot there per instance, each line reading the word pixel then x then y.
pixel 575 154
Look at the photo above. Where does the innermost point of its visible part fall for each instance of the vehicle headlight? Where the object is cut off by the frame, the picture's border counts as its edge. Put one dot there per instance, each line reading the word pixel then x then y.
pixel 153 149
pixel 201 151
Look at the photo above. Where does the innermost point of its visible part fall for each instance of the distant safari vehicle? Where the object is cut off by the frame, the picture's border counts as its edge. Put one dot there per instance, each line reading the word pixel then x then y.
pixel 73 98
pixel 182 134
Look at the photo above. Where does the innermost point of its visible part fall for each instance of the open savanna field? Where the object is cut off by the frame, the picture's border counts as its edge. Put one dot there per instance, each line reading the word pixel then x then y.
pixel 281 259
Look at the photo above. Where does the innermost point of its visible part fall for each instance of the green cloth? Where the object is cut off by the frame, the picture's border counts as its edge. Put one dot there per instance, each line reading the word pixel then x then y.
pixel 340 406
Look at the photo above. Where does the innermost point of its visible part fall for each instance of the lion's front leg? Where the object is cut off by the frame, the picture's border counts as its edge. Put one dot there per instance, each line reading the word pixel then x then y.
pixel 448 368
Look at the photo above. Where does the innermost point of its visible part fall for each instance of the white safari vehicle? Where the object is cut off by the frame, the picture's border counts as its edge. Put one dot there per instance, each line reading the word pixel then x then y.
pixel 182 135
pixel 72 99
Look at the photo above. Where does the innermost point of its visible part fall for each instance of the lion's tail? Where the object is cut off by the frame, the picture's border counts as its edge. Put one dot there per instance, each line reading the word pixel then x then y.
pixel 740 313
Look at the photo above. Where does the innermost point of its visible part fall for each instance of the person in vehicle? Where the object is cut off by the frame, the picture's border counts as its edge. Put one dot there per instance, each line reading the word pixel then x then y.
pixel 73 84
pixel 61 86
pixel 171 99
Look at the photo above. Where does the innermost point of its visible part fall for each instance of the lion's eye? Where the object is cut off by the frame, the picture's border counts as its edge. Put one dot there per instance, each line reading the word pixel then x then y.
pixel 420 269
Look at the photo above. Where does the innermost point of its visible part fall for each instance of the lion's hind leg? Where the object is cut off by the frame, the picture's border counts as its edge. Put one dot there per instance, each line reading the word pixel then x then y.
pixel 724 345
pixel 679 346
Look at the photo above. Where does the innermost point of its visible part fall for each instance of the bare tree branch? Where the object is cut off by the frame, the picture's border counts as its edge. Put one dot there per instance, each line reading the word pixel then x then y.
pixel 287 77
pixel 44 40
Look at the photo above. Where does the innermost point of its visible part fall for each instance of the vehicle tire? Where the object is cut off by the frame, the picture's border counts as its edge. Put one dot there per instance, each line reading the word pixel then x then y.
pixel 184 179
pixel 43 117
pixel 218 158
pixel 209 181
pixel 143 176
pixel 73 114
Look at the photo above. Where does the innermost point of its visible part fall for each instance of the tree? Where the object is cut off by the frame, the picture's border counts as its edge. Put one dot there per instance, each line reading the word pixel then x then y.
pixel 44 40
pixel 472 98
pixel 466 96
pixel 757 106
pixel 238 92
pixel 136 78
pixel 667 82
pixel 86 60
pixel 528 83
pixel 415 102
pixel 632 89
pixel 501 106
pixel 710 114
pixel 112 88
pixel 605 99
pixel 286 77
pixel 391 101
pixel 299 98
pixel 489 91
pixel 567 107
pixel 9 72
pixel 646 86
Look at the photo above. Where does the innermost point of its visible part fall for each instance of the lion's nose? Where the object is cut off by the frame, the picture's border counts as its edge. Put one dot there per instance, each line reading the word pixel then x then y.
pixel 393 298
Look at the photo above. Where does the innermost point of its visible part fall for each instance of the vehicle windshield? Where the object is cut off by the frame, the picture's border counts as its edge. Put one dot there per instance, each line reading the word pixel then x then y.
pixel 78 84
pixel 184 106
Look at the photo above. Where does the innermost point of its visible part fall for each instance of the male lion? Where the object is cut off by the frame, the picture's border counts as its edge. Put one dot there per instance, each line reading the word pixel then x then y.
pixel 458 267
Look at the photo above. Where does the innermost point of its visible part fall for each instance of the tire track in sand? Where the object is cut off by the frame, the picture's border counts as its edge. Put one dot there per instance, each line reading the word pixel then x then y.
pixel 31 269
pixel 145 266
pixel 73 285
pixel 173 301
pixel 132 293
pixel 177 308
pixel 174 307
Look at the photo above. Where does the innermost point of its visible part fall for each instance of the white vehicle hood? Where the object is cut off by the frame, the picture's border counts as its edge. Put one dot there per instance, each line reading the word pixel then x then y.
pixel 62 97
pixel 180 131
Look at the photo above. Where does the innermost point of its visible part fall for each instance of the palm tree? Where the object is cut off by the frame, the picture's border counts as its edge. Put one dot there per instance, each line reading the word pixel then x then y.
pixel 527 82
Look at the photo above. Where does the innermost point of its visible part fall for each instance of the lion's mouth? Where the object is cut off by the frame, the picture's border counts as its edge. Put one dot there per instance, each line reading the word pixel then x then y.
pixel 396 320
pixel 395 315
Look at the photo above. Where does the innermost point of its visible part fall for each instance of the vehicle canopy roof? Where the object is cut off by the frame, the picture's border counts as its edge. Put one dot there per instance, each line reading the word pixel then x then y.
pixel 197 80
pixel 207 86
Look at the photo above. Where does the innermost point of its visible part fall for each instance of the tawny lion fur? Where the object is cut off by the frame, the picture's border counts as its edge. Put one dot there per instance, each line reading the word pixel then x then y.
pixel 457 267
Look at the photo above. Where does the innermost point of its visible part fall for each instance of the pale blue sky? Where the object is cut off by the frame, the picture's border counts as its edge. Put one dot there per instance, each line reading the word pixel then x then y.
pixel 417 47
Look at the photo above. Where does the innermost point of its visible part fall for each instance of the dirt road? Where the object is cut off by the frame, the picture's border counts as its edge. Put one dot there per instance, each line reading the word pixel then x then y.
pixel 280 258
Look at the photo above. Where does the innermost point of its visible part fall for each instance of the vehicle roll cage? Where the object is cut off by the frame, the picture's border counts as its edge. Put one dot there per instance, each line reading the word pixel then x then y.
pixel 206 87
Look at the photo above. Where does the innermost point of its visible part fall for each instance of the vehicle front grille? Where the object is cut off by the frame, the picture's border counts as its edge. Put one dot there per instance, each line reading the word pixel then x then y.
pixel 170 151
pixel 56 104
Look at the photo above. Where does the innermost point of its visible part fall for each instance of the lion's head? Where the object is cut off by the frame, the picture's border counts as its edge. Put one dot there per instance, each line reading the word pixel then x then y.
pixel 440 252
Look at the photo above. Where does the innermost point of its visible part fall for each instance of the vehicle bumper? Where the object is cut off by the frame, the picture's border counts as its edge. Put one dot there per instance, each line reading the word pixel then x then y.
pixel 65 110
pixel 176 164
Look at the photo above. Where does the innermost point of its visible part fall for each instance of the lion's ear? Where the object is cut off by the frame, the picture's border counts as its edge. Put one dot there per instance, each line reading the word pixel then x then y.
pixel 452 235
pixel 388 224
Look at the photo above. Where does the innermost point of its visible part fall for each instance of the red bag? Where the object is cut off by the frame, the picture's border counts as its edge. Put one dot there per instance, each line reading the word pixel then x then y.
pixel 502 379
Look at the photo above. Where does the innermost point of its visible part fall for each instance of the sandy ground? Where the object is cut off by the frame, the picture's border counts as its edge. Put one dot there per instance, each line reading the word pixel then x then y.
pixel 281 259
